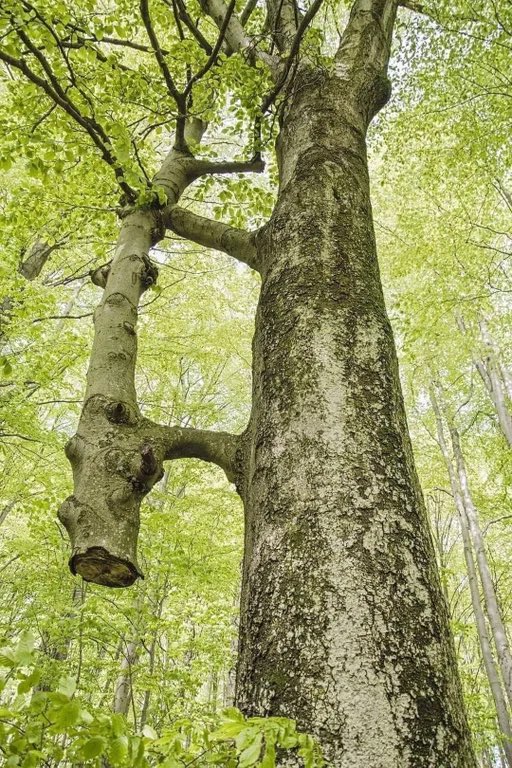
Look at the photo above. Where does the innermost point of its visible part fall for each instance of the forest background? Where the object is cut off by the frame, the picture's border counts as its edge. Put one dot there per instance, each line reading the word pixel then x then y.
pixel 157 660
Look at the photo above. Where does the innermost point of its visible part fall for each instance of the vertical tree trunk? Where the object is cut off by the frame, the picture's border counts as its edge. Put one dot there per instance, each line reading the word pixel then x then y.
pixel 460 500
pixel 495 377
pixel 123 691
pixel 491 602
pixel 343 623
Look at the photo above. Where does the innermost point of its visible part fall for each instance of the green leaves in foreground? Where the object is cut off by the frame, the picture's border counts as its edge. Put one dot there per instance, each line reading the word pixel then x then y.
pixel 38 726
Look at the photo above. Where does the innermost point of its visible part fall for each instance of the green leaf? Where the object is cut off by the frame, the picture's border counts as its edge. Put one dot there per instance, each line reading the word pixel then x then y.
pixel 94 747
pixel 251 754
pixel 118 750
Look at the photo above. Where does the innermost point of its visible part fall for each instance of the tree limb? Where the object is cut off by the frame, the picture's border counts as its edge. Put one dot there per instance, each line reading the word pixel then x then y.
pixel 237 243
pixel 294 49
pixel 186 443
pixel 169 81
pixel 215 52
pixel 209 167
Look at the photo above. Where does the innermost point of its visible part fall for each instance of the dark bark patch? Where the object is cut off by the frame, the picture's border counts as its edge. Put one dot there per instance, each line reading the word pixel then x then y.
pixel 100 567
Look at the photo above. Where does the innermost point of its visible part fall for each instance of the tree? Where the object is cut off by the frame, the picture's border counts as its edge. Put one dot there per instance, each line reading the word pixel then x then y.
pixel 343 624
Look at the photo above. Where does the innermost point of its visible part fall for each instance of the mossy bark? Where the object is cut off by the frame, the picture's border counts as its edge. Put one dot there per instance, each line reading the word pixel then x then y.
pixel 343 622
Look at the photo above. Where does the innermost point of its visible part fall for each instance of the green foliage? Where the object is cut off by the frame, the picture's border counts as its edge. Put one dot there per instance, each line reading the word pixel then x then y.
pixel 37 725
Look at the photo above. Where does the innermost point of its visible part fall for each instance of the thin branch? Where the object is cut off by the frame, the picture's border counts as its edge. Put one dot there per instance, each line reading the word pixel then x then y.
pixel 94 130
pixel 213 56
pixel 169 81
pixel 185 18
pixel 294 49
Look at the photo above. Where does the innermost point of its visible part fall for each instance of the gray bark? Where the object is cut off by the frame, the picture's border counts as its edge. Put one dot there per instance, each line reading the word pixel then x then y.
pixel 343 622
pixel 490 666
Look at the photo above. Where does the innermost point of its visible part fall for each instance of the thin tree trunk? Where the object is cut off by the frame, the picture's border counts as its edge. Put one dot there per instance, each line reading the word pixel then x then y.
pixel 124 685
pixel 460 500
pixel 491 602
pixel 495 378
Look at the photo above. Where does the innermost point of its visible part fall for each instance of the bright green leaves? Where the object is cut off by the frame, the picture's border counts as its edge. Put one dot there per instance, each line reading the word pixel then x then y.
pixel 32 727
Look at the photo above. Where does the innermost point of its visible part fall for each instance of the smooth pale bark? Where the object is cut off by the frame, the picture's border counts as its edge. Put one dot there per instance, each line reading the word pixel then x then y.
pixel 490 666
pixel 117 455
pixel 123 690
pixel 491 602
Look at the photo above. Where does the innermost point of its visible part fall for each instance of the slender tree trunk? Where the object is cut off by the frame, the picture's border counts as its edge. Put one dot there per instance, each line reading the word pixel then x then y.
pixel 491 670
pixel 343 623
pixel 493 610
pixel 495 377
pixel 123 691
pixel 499 383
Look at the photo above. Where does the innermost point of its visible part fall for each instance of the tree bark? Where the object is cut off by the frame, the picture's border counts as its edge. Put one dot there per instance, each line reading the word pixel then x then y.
pixel 343 623
pixel 491 602
pixel 490 666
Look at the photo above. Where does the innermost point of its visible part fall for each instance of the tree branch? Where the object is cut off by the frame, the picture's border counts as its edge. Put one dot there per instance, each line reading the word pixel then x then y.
pixel 235 35
pixel 237 243
pixel 412 6
pixel 294 49
pixel 169 81
pixel 216 447
pixel 361 66
pixel 185 18
pixel 215 52
pixel 94 130
pixel 209 167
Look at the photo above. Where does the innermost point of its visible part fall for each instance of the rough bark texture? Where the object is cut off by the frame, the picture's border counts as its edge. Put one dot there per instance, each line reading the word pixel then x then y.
pixel 343 623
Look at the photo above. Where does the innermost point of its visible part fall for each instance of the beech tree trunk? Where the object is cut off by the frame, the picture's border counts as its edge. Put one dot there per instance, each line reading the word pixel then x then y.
pixel 491 668
pixel 343 622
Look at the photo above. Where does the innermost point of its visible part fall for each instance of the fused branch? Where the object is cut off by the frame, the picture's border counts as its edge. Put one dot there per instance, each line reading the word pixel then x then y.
pixel 214 234
pixel 31 266
pixel 216 447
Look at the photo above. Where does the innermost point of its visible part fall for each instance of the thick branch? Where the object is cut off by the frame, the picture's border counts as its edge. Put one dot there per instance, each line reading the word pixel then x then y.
pixel 216 447
pixel 210 168
pixel 235 35
pixel 31 266
pixel 366 41
pixel 214 234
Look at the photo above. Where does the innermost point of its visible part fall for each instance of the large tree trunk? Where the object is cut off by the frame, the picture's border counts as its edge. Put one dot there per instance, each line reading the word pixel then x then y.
pixel 343 623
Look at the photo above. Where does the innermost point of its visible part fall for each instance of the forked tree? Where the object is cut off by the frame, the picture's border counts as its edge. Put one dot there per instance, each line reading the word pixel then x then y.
pixel 343 624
